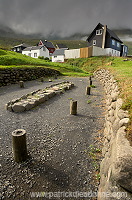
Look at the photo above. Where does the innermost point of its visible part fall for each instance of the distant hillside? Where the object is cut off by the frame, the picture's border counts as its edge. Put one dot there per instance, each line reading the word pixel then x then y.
pixel 9 38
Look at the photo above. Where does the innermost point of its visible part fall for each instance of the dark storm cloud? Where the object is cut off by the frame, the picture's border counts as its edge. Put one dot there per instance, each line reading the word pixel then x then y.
pixel 64 17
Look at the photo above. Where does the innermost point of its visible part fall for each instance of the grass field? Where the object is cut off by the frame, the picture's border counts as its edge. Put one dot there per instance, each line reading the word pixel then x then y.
pixel 9 59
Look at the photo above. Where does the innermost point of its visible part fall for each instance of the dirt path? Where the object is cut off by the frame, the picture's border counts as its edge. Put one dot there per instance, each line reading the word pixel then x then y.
pixel 58 143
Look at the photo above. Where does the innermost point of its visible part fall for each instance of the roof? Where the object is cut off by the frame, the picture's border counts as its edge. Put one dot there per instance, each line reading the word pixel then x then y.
pixel 47 44
pixel 23 44
pixel 61 46
pixel 58 52
pixel 33 48
pixel 112 34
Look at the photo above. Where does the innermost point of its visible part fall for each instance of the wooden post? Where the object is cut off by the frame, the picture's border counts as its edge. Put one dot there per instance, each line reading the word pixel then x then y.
pixel 42 79
pixel 90 82
pixel 73 107
pixel 55 76
pixel 88 90
pixel 21 83
pixel 19 145
pixel 90 78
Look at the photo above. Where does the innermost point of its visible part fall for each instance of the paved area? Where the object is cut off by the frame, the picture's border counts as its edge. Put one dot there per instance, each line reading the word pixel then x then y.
pixel 58 143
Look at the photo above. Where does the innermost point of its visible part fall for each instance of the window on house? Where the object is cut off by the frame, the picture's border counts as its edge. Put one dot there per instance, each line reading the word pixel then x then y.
pixel 29 54
pixel 99 32
pixel 35 54
pixel 94 42
pixel 113 42
pixel 118 44
pixel 44 49
pixel 18 49
pixel 55 56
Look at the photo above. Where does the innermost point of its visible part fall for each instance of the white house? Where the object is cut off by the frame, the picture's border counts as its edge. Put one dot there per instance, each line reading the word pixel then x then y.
pixel 36 51
pixel 58 55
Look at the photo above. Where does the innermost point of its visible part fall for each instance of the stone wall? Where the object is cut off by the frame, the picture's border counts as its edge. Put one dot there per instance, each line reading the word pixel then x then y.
pixel 116 166
pixel 13 75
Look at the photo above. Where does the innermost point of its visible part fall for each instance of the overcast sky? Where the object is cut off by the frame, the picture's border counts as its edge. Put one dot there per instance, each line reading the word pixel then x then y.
pixel 64 17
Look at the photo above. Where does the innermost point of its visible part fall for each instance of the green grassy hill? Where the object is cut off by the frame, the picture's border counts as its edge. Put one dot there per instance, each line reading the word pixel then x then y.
pixel 8 43
pixel 12 59
pixel 129 44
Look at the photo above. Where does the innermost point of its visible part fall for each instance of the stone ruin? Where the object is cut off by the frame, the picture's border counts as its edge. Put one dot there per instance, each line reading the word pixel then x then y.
pixel 35 98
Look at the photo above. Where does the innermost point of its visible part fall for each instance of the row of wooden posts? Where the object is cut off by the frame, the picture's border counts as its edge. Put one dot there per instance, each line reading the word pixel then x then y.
pixel 19 135
pixel 73 104
pixel 21 83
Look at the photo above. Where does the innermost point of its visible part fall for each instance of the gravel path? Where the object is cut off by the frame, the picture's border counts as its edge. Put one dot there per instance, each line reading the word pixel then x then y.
pixel 58 143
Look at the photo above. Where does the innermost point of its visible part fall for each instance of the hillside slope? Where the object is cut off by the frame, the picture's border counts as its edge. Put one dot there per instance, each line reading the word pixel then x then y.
pixel 10 59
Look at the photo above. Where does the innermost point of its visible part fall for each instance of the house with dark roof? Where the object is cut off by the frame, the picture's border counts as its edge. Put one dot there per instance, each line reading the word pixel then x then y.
pixel 58 55
pixel 61 46
pixel 19 48
pixel 36 51
pixel 48 45
pixel 106 39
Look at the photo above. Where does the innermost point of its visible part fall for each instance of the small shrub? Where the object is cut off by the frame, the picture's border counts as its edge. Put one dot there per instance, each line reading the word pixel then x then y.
pixel 98 176
pixel 92 86
pixel 46 58
pixel 41 57
pixel 89 101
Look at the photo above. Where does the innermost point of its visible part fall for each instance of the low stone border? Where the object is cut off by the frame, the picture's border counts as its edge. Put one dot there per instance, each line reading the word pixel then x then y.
pixel 29 101
pixel 116 167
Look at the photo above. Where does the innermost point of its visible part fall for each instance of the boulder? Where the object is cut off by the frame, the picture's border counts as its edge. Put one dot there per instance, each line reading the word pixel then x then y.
pixel 18 107
pixel 122 168
pixel 124 122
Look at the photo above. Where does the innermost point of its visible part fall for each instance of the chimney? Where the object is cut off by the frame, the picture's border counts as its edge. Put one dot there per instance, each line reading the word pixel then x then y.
pixel 104 34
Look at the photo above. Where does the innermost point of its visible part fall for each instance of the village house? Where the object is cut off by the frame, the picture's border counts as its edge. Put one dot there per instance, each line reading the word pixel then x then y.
pixel 19 48
pixel 58 55
pixel 36 51
pixel 61 46
pixel 48 45
pixel 106 39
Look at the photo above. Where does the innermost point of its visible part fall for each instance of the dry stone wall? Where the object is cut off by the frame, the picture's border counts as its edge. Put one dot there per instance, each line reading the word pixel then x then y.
pixel 116 166
pixel 29 101
pixel 13 75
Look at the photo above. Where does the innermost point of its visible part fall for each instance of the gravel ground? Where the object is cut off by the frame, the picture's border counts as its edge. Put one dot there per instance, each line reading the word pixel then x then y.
pixel 58 143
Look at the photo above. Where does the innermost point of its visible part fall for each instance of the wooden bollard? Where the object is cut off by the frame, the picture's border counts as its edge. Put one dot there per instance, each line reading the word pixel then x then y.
pixel 90 78
pixel 90 82
pixel 73 107
pixel 19 145
pixel 21 83
pixel 88 90
pixel 55 76
pixel 42 79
